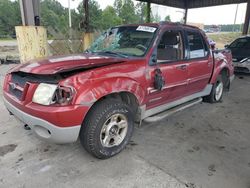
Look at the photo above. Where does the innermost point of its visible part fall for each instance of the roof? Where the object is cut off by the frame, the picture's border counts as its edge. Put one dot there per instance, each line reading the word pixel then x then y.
pixel 194 3
pixel 163 24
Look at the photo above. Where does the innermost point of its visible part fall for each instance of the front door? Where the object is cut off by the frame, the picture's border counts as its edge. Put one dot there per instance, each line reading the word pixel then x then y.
pixel 171 67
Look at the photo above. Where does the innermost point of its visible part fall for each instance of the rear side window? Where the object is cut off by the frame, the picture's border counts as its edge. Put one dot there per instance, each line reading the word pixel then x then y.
pixel 196 44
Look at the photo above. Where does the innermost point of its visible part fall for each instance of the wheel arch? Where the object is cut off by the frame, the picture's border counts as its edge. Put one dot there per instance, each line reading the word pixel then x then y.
pixel 126 90
pixel 223 70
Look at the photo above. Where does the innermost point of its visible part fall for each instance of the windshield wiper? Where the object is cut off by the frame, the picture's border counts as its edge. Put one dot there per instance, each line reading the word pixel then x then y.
pixel 114 53
pixel 87 51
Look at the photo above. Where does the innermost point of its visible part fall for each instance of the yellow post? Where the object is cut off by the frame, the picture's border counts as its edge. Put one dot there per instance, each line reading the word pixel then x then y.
pixel 88 38
pixel 32 42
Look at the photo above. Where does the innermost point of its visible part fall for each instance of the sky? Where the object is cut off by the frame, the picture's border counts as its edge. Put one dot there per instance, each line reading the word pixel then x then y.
pixel 211 15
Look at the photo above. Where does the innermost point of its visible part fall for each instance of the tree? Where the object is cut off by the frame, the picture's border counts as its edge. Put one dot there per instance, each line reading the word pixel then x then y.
pixel 141 11
pixel 95 14
pixel 53 15
pixel 156 18
pixel 9 17
pixel 126 11
pixel 110 18
pixel 167 18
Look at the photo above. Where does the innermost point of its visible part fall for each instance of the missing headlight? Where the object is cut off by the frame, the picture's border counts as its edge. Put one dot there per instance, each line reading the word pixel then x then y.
pixel 63 95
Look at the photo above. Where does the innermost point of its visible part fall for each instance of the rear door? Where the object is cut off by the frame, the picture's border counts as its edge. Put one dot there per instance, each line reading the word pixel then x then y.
pixel 173 68
pixel 199 60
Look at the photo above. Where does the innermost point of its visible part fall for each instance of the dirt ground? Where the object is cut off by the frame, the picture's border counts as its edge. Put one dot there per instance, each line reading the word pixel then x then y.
pixel 205 146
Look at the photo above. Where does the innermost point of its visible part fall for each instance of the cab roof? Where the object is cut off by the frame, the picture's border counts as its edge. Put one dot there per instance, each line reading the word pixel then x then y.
pixel 163 24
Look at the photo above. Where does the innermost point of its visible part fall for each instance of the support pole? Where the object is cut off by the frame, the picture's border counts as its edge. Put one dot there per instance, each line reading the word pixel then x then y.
pixel 185 16
pixel 186 11
pixel 31 38
pixel 247 19
pixel 148 12
pixel 235 17
pixel 27 12
pixel 88 35
pixel 70 22
pixel 86 15
pixel 32 42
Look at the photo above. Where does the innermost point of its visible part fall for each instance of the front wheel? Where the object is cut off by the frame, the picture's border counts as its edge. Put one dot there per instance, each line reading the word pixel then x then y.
pixel 217 91
pixel 107 129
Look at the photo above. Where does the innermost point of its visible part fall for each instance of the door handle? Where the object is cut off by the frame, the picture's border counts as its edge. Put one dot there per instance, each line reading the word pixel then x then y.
pixel 182 67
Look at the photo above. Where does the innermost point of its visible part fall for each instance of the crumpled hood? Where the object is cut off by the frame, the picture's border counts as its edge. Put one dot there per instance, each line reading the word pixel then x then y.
pixel 59 64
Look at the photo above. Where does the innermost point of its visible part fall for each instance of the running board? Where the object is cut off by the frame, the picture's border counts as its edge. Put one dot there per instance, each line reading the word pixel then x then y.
pixel 171 111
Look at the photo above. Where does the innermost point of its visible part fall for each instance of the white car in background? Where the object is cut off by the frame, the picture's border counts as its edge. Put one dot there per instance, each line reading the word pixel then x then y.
pixel 242 66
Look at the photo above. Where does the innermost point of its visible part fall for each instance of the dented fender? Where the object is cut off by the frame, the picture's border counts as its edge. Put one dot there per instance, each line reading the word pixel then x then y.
pixel 217 70
pixel 221 62
pixel 90 91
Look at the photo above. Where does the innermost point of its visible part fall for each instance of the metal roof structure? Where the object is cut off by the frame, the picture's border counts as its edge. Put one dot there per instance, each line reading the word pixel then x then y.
pixel 189 4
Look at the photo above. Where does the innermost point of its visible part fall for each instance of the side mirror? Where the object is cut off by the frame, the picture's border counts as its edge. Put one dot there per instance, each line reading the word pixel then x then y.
pixel 159 81
pixel 153 58
pixel 226 46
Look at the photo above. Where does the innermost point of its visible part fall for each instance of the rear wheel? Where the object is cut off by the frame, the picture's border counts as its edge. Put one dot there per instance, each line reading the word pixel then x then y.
pixel 217 91
pixel 107 129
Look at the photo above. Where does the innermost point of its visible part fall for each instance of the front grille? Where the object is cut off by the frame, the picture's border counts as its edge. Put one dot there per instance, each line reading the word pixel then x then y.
pixel 16 93
pixel 17 85
pixel 21 81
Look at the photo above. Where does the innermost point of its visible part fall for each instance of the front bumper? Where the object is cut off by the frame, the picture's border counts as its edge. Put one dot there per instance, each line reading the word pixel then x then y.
pixel 241 67
pixel 44 129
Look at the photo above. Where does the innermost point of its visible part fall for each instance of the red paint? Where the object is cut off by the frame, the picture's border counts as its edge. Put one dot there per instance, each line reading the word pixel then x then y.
pixel 133 75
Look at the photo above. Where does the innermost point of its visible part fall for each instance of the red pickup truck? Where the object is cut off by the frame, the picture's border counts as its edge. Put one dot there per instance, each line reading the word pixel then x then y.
pixel 129 74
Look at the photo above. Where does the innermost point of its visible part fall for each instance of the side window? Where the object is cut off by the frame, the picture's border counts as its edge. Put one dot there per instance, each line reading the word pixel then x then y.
pixel 239 43
pixel 196 44
pixel 247 46
pixel 170 47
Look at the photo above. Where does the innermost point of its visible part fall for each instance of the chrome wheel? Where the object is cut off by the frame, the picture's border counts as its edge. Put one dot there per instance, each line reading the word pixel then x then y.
pixel 218 91
pixel 114 130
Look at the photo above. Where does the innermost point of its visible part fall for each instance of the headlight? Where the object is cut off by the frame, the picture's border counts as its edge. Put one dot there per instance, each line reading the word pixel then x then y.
pixel 44 94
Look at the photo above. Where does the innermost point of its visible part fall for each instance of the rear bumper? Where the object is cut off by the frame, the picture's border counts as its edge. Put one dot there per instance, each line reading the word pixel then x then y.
pixel 44 129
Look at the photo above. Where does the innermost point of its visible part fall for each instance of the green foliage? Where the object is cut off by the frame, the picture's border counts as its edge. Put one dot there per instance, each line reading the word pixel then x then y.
pixel 54 16
pixel 125 9
pixel 9 17
pixel 110 18
pixel 95 14
pixel 141 13
pixel 156 18
pixel 167 18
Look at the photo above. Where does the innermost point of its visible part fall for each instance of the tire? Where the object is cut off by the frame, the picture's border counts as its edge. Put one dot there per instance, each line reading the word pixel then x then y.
pixel 217 91
pixel 107 128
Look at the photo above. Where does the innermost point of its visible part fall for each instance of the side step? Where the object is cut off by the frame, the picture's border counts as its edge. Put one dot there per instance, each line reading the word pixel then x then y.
pixel 171 111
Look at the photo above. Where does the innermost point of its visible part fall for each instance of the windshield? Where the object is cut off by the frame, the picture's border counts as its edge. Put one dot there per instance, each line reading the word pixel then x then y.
pixel 124 41
pixel 241 43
